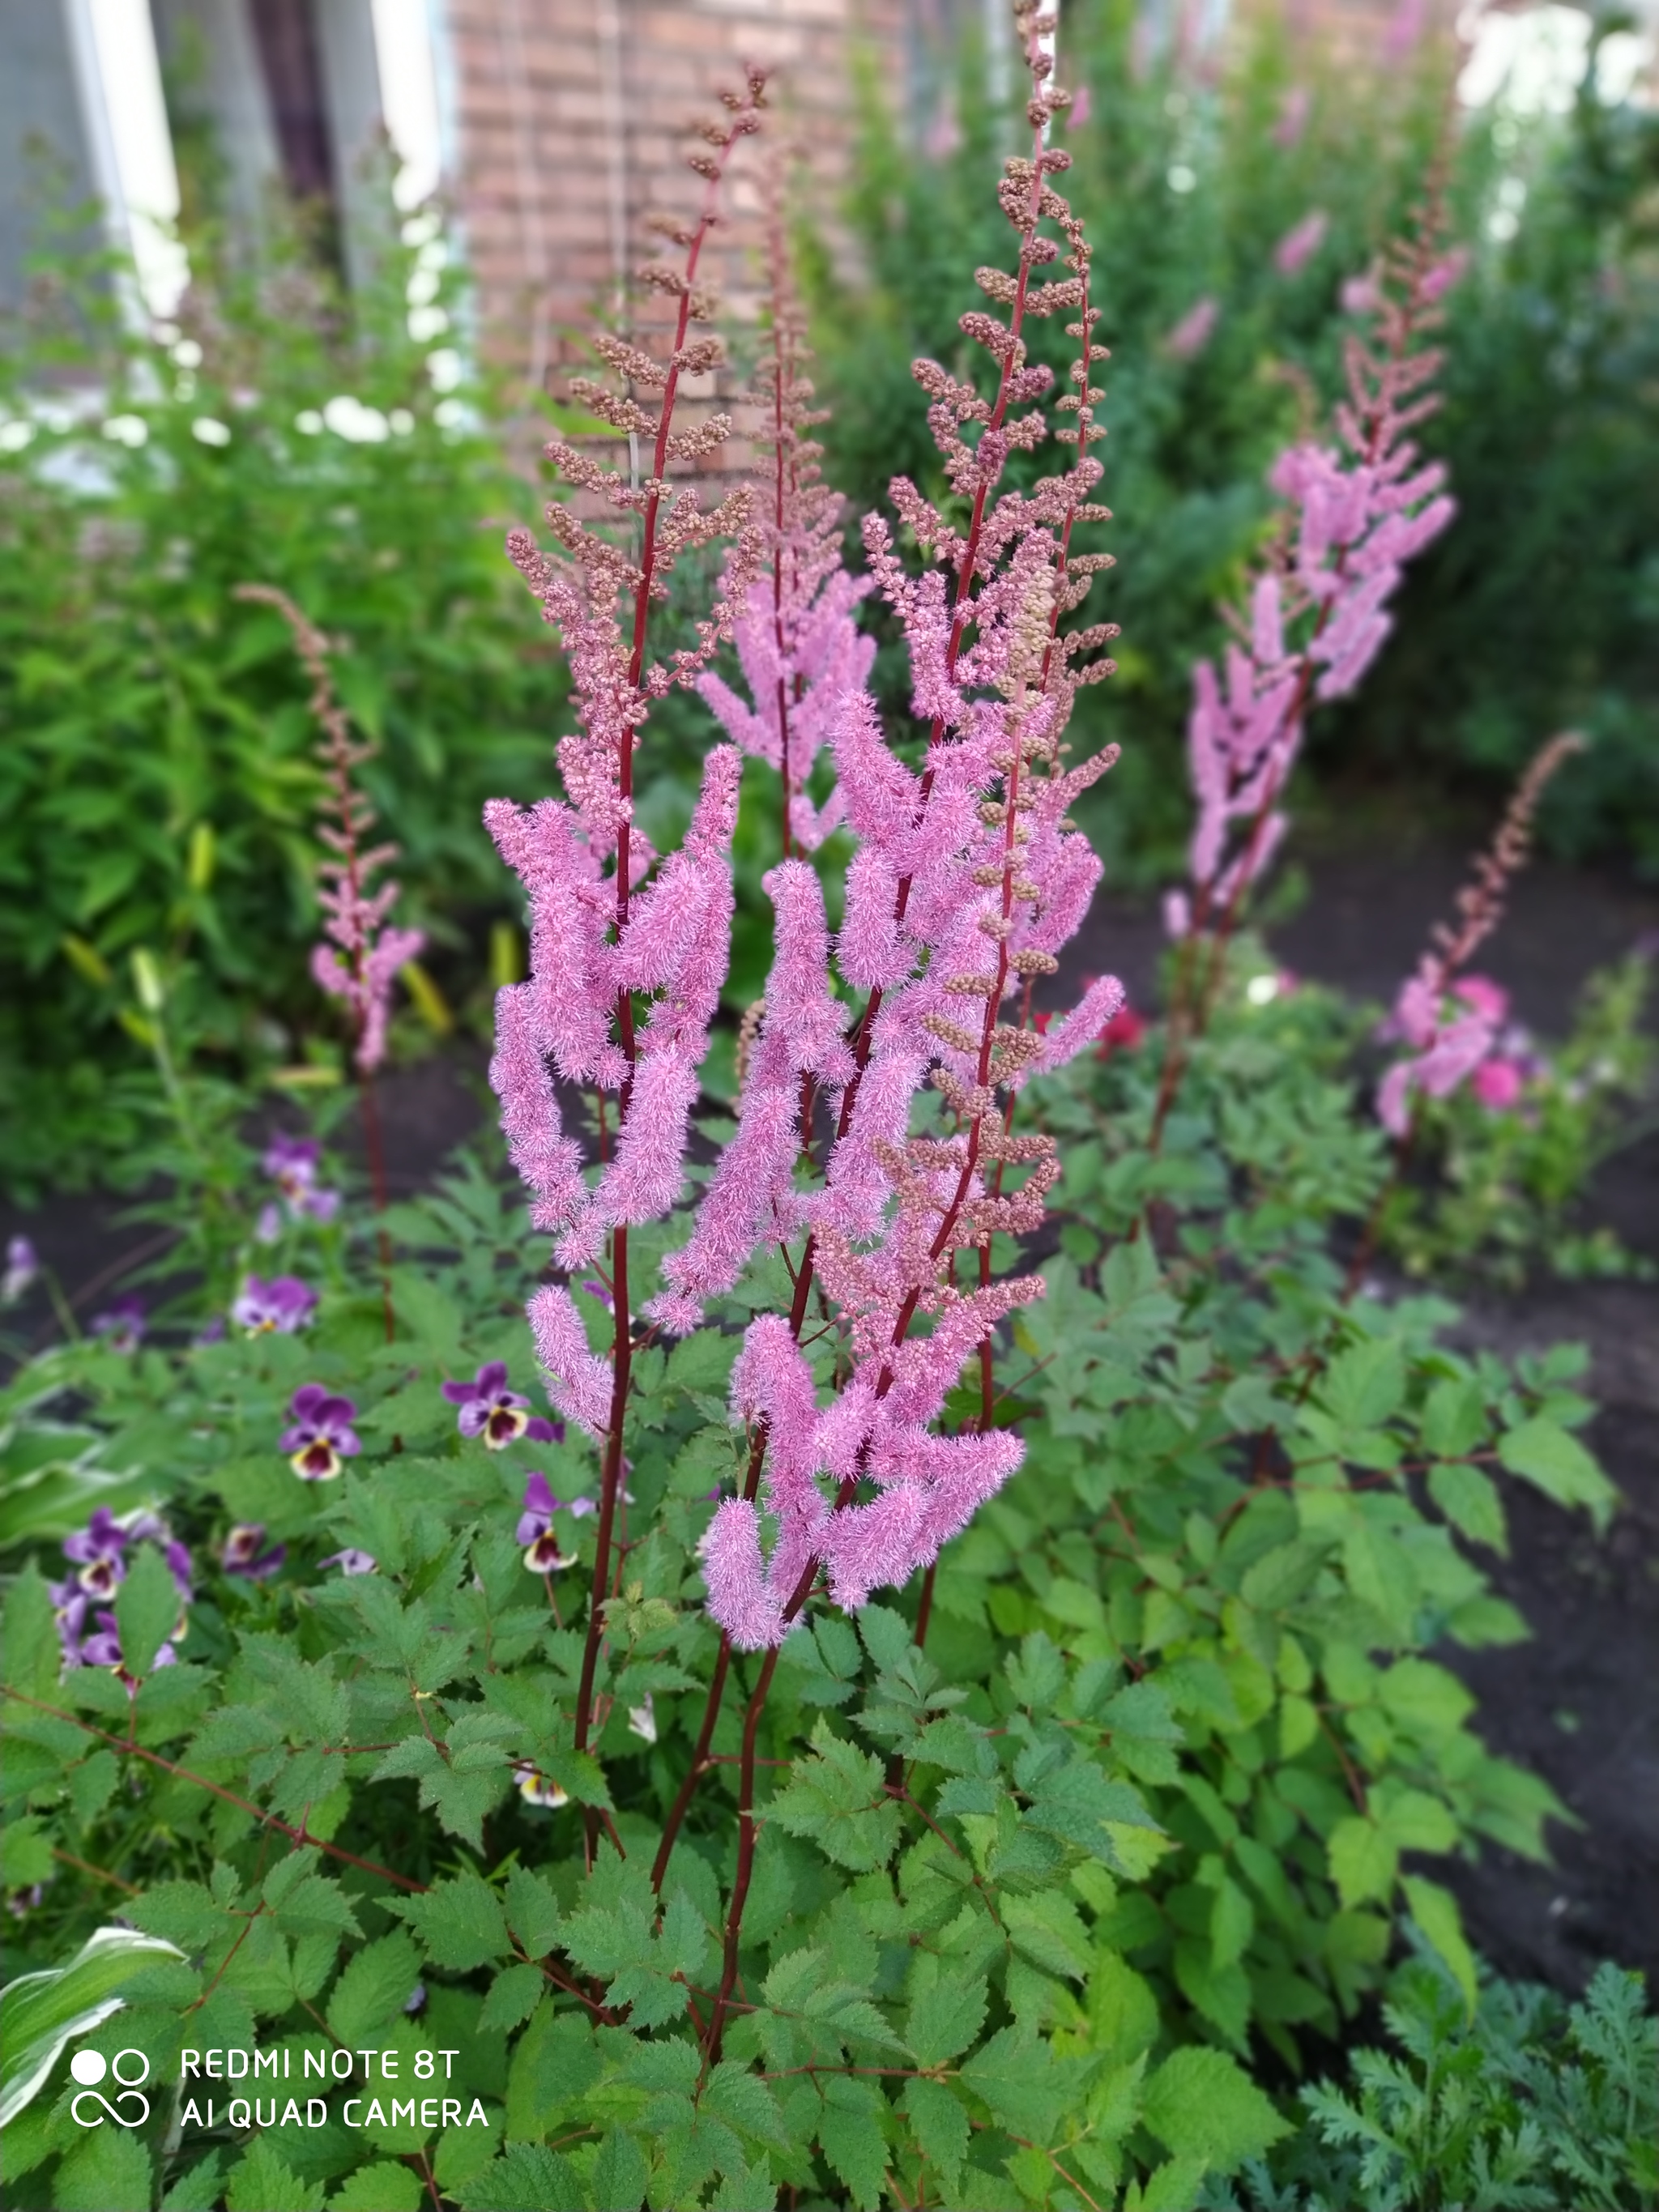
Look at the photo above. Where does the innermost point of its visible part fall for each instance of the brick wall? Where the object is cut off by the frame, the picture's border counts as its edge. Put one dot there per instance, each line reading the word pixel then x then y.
pixel 573 117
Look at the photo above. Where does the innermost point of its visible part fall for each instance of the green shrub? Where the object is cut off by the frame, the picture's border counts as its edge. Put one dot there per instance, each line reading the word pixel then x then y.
pixel 1536 611
pixel 157 785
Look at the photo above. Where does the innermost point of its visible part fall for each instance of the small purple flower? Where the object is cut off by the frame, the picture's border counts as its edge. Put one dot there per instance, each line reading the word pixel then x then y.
pixel 291 1164
pixel 210 1332
pixel 535 1528
pixel 322 1435
pixel 23 1266
pixel 178 1564
pixel 489 1409
pixel 243 1556
pixel 283 1304
pixel 416 2001
pixel 268 1226
pixel 597 1290
pixel 350 1561
pixel 20 1903
pixel 98 1550
pixel 121 1325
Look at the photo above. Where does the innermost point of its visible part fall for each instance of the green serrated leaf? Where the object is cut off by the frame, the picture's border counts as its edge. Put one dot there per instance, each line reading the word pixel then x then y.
pixel 459 1922
pixel 836 1796
pixel 1552 1460
pixel 147 1607
pixel 1202 2103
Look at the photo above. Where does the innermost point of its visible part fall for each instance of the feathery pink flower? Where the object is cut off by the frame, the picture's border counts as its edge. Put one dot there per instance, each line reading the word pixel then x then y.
pixel 1354 513
pixel 1299 244
pixel 361 957
pixel 1193 331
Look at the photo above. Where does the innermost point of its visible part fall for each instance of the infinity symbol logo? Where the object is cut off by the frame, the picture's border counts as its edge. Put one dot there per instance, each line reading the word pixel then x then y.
pixel 89 2068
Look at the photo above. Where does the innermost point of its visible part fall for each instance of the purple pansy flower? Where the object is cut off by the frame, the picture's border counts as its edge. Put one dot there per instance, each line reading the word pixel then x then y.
pixel 322 1435
pixel 99 1552
pixel 351 1561
pixel 535 1529
pixel 121 1325
pixel 20 1903
pixel 243 1556
pixel 291 1164
pixel 284 1305
pixel 489 1409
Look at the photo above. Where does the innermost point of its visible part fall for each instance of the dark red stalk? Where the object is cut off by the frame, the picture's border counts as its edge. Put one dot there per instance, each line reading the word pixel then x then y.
pixel 623 1339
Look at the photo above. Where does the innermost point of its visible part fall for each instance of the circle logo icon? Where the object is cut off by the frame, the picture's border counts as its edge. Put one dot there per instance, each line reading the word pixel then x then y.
pixel 130 2068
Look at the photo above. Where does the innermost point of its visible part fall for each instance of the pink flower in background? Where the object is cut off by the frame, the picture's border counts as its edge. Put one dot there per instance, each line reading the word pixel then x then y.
pixel 1292 116
pixel 943 136
pixel 1404 32
pixel 1317 614
pixel 1446 273
pixel 1123 1033
pixel 1081 109
pixel 1496 1083
pixel 361 955
pixel 1488 999
pixel 1193 331
pixel 1359 295
pixel 1298 245
pixel 1450 1021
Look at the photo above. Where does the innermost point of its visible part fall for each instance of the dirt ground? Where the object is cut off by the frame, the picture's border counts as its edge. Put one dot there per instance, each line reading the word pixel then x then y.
pixel 1580 1702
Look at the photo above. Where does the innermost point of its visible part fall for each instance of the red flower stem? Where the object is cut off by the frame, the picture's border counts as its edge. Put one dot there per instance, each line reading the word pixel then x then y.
pixel 622 1337
pixel 245 1805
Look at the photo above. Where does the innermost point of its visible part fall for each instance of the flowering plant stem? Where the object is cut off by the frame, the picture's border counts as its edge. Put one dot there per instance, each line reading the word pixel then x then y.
pixel 961 617
pixel 623 1336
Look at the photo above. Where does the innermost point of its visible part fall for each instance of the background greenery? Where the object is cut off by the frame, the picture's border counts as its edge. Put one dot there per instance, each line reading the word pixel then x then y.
pixel 156 781
pixel 156 786
pixel 1535 611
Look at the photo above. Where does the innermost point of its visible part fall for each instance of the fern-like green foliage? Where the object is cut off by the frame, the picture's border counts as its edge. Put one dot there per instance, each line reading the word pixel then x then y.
pixel 1533 2104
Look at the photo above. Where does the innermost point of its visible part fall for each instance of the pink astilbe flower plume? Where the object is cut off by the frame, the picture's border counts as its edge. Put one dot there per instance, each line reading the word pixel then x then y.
pixel 1451 1023
pixel 362 956
pixel 1316 613
pixel 626 957
pixel 797 637
pixel 969 878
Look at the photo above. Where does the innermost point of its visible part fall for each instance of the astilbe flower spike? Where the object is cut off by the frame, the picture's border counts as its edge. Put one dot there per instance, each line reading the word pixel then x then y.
pixel 362 954
pixel 1451 1025
pixel 978 877
pixel 797 637
pixel 627 958
pixel 1315 614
